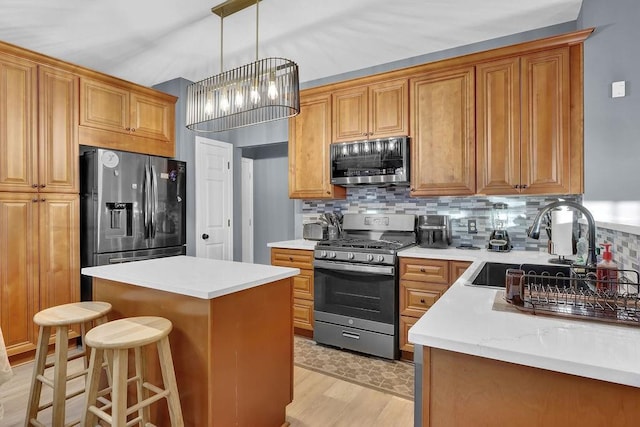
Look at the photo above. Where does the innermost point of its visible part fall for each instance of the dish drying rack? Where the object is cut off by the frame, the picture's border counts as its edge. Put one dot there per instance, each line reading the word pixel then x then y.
pixel 581 295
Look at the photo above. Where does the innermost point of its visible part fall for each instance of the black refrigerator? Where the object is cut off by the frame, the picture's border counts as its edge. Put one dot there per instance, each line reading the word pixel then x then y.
pixel 132 207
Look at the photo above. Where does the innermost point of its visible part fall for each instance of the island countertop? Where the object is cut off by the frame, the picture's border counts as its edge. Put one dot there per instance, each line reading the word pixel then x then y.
pixel 465 320
pixel 197 277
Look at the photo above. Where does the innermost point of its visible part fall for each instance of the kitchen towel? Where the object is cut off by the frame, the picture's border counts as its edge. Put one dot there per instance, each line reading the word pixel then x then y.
pixel 562 232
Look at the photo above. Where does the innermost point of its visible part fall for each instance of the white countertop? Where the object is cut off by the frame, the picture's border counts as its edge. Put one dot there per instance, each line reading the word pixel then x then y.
pixel 463 320
pixel 294 244
pixel 197 277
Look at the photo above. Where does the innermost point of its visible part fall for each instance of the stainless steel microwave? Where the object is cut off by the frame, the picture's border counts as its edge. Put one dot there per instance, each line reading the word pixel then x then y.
pixel 383 161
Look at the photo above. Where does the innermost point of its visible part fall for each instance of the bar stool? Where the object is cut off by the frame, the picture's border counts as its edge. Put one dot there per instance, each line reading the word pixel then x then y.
pixel 60 317
pixel 117 338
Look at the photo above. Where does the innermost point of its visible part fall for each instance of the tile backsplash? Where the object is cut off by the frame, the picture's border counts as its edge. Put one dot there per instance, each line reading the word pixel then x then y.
pixel 519 213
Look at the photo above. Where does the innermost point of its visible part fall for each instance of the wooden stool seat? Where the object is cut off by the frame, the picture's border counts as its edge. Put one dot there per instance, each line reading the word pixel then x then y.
pixel 115 339
pixel 129 333
pixel 71 314
pixel 60 318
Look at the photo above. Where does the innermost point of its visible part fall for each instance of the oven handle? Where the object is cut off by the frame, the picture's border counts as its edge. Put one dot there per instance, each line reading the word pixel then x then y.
pixel 376 269
pixel 351 335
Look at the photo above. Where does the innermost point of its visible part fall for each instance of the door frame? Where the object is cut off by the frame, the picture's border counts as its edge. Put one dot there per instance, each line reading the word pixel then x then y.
pixel 199 144
pixel 247 210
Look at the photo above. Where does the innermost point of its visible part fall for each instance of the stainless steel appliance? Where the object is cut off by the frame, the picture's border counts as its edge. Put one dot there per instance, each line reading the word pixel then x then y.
pixel 499 240
pixel 434 231
pixel 133 207
pixel 315 231
pixel 356 283
pixel 381 161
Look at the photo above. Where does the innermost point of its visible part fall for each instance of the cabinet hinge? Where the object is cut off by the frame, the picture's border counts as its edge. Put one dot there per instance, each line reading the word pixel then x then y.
pixel 228 165
pixel 228 223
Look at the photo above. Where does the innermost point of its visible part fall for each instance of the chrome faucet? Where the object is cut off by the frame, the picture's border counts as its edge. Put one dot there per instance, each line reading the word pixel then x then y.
pixel 534 230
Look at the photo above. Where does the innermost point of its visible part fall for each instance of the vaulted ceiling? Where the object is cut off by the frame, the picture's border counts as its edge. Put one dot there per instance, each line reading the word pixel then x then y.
pixel 151 41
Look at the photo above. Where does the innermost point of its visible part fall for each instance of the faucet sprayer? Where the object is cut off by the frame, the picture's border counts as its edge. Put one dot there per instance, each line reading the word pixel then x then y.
pixel 534 230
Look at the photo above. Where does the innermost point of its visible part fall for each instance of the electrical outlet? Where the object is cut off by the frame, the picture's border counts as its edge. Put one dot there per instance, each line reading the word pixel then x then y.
pixel 471 226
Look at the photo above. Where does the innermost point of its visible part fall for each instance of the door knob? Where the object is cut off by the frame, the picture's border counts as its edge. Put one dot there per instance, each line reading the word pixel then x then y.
pixel 205 236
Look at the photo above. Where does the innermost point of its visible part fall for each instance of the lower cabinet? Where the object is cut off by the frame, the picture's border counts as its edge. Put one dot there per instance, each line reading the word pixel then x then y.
pixel 39 263
pixel 422 282
pixel 302 285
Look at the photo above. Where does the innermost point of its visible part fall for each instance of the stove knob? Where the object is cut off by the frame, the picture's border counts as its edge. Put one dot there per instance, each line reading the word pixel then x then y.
pixel 380 258
pixel 369 257
pixel 332 254
pixel 350 255
pixel 323 254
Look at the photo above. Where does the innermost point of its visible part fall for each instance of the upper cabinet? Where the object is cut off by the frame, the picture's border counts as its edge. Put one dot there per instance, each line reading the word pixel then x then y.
pixel 372 111
pixel 442 133
pixel 309 141
pixel 523 124
pixel 134 120
pixel 38 132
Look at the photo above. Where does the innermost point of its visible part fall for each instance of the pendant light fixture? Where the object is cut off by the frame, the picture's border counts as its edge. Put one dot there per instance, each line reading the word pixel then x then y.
pixel 262 91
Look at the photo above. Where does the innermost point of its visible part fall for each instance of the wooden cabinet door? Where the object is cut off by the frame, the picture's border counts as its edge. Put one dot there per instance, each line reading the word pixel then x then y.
pixel 498 126
pixel 104 106
pixel 389 109
pixel 545 144
pixel 151 117
pixel 309 140
pixel 350 114
pixel 19 293
pixel 59 249
pixel 58 135
pixel 443 137
pixel 456 268
pixel 18 130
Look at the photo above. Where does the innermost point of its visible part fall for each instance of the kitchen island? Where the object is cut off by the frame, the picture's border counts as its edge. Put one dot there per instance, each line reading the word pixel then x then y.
pixel 232 341
pixel 484 363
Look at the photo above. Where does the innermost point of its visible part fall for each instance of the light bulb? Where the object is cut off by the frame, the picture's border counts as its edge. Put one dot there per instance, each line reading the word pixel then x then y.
pixel 239 99
pixel 208 106
pixel 272 92
pixel 255 95
pixel 224 103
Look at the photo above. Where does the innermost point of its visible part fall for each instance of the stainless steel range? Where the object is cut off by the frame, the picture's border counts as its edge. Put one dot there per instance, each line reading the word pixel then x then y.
pixel 356 283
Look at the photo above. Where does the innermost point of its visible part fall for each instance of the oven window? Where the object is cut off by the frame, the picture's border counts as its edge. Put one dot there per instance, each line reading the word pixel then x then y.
pixel 361 295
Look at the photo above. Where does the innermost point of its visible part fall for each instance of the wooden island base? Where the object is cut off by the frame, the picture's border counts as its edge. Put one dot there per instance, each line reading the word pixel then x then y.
pixel 464 390
pixel 233 355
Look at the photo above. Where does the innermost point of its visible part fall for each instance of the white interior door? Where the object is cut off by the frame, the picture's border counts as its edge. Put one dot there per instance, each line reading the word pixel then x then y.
pixel 247 210
pixel 214 199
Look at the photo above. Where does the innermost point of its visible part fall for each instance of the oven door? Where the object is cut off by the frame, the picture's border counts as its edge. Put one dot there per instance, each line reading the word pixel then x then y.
pixel 356 291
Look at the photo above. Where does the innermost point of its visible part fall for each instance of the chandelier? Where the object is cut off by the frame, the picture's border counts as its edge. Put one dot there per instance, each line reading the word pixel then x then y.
pixel 262 91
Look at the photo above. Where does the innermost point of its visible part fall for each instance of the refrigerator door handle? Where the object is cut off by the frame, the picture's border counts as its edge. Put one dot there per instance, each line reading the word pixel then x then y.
pixel 154 208
pixel 147 202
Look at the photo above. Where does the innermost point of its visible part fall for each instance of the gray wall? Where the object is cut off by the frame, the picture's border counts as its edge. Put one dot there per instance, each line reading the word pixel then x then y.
pixel 273 211
pixel 611 125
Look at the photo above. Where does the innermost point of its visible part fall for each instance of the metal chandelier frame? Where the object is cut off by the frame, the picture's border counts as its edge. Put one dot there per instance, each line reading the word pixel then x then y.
pixel 264 90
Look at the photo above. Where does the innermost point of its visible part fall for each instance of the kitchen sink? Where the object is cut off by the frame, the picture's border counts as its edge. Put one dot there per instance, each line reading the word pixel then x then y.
pixel 493 273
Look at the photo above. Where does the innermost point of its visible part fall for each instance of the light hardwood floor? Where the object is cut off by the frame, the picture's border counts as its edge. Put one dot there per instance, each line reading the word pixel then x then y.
pixel 319 401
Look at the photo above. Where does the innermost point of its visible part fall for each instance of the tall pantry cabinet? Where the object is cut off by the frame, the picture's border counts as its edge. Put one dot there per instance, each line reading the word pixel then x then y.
pixel 39 200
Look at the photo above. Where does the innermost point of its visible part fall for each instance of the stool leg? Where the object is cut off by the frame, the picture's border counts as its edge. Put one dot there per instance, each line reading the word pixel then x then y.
pixel 145 412
pixel 169 380
pixel 119 391
pixel 38 369
pixel 91 389
pixel 60 375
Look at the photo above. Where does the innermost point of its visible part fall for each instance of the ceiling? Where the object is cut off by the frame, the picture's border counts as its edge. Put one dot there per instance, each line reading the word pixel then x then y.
pixel 152 41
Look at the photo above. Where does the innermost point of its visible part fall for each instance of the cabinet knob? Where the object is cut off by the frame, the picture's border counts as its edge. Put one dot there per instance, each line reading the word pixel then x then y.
pixel 34 185
pixel 328 192
pixel 127 129
pixel 422 270
pixel 290 258
pixel 43 185
pixel 43 200
pixel 524 186
pixel 133 129
pixel 34 200
pixel 422 301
